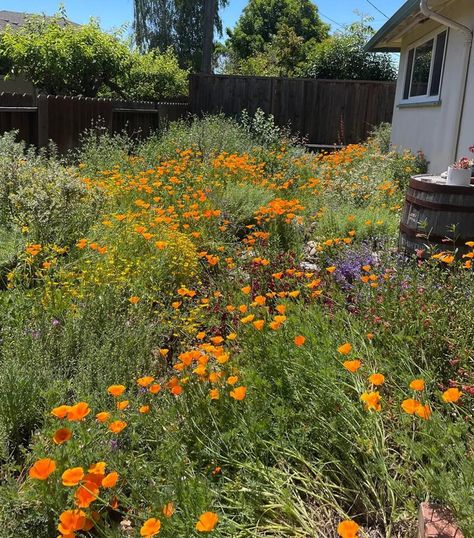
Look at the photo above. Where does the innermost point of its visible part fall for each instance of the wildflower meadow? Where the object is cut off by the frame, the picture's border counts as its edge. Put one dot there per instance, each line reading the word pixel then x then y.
pixel 212 333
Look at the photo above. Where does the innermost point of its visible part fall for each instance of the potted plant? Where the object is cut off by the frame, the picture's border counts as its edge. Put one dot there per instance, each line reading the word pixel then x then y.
pixel 460 172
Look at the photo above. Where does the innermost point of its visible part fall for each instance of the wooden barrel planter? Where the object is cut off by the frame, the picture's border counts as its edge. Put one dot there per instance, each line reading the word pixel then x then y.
pixel 438 215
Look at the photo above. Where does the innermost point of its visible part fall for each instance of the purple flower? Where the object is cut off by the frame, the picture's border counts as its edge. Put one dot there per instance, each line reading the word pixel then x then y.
pixel 55 322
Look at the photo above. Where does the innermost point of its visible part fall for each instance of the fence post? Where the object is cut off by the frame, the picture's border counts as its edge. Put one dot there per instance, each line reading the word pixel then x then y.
pixel 42 120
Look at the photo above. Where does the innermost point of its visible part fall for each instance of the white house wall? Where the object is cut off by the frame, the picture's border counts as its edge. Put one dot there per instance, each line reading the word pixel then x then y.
pixel 432 129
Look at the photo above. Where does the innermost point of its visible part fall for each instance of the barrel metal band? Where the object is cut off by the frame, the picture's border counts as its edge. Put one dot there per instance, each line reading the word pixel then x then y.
pixel 439 207
pixel 436 187
pixel 432 238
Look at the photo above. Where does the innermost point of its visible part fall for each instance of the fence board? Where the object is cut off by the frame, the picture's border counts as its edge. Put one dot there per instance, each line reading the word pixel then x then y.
pixel 324 111
pixel 63 119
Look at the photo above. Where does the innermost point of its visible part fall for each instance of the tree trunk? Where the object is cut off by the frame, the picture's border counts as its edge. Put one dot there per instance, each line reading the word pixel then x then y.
pixel 208 35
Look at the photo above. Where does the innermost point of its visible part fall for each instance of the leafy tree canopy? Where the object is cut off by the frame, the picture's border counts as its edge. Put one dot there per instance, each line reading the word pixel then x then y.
pixel 262 20
pixel 179 24
pixel 342 56
pixel 68 59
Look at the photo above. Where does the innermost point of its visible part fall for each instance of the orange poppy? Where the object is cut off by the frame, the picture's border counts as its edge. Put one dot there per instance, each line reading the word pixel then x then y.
pixel 145 381
pixel 144 409
pixel 410 406
pixel 117 426
pixel 62 435
pixel 352 366
pixel 299 340
pixel 116 390
pixel 371 401
pixel 348 529
pixel 330 269
pixel 377 379
pixel 214 394
pixel 71 521
pixel 345 349
pixel 258 324
pixel 423 411
pixel 61 411
pixel 134 299
pixel 98 468
pixel 151 527
pixel 168 509
pixel 246 290
pixel 207 522
pixel 155 388
pixel 232 380
pixel 122 405
pixel 102 416
pixel 451 395
pixel 110 480
pixel 78 412
pixel 85 494
pixel 238 393
pixel 41 469
pixel 72 477
pixel 417 384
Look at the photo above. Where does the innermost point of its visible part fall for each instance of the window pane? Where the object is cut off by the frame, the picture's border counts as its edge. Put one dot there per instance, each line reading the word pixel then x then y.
pixel 406 91
pixel 421 69
pixel 438 63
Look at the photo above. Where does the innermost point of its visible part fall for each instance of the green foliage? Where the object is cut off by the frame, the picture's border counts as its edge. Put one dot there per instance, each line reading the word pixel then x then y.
pixel 300 452
pixel 37 192
pixel 153 76
pixel 161 24
pixel 342 56
pixel 62 58
pixel 263 19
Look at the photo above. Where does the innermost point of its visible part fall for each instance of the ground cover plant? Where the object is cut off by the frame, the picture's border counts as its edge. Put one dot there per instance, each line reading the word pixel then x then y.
pixel 219 337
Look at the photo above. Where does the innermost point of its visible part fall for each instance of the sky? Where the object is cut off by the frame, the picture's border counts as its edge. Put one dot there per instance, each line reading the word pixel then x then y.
pixel 115 13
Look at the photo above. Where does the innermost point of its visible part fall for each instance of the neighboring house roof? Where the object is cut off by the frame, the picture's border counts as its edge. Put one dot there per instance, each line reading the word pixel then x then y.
pixel 16 19
pixel 389 37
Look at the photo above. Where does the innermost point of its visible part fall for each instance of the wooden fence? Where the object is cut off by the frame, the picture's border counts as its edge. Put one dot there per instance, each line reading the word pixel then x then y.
pixel 63 119
pixel 324 111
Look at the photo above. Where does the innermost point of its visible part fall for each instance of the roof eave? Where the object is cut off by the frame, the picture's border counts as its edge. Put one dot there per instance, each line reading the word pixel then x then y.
pixel 376 44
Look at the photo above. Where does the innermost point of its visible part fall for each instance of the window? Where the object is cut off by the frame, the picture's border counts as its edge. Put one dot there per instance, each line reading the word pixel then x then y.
pixel 425 64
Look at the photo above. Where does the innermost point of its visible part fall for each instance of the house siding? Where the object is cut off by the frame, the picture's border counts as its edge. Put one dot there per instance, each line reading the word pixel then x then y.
pixel 433 129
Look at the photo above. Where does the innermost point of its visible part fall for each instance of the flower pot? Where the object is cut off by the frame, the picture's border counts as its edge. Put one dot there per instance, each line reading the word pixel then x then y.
pixel 459 176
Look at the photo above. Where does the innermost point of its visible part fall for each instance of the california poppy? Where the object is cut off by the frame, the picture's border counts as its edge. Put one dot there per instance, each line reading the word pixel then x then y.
pixel 371 401
pixel 72 477
pixel 207 522
pixel 238 393
pixel 110 480
pixel 348 529
pixel 377 379
pixel 145 381
pixel 352 366
pixel 345 349
pixel 103 416
pixel 214 394
pixel 117 426
pixel 144 409
pixel 134 299
pixel 61 411
pixel 85 494
pixel 78 412
pixel 410 406
pixel 62 435
pixel 417 384
pixel 151 527
pixel 299 340
pixel 71 521
pixel 116 390
pixel 41 469
pixel 168 509
pixel 451 395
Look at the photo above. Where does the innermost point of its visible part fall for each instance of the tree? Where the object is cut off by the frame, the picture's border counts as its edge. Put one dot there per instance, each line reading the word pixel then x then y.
pixel 160 24
pixel 63 58
pixel 342 56
pixel 68 59
pixel 262 20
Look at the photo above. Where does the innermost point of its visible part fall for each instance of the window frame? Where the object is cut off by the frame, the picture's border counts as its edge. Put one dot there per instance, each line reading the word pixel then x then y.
pixel 426 98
